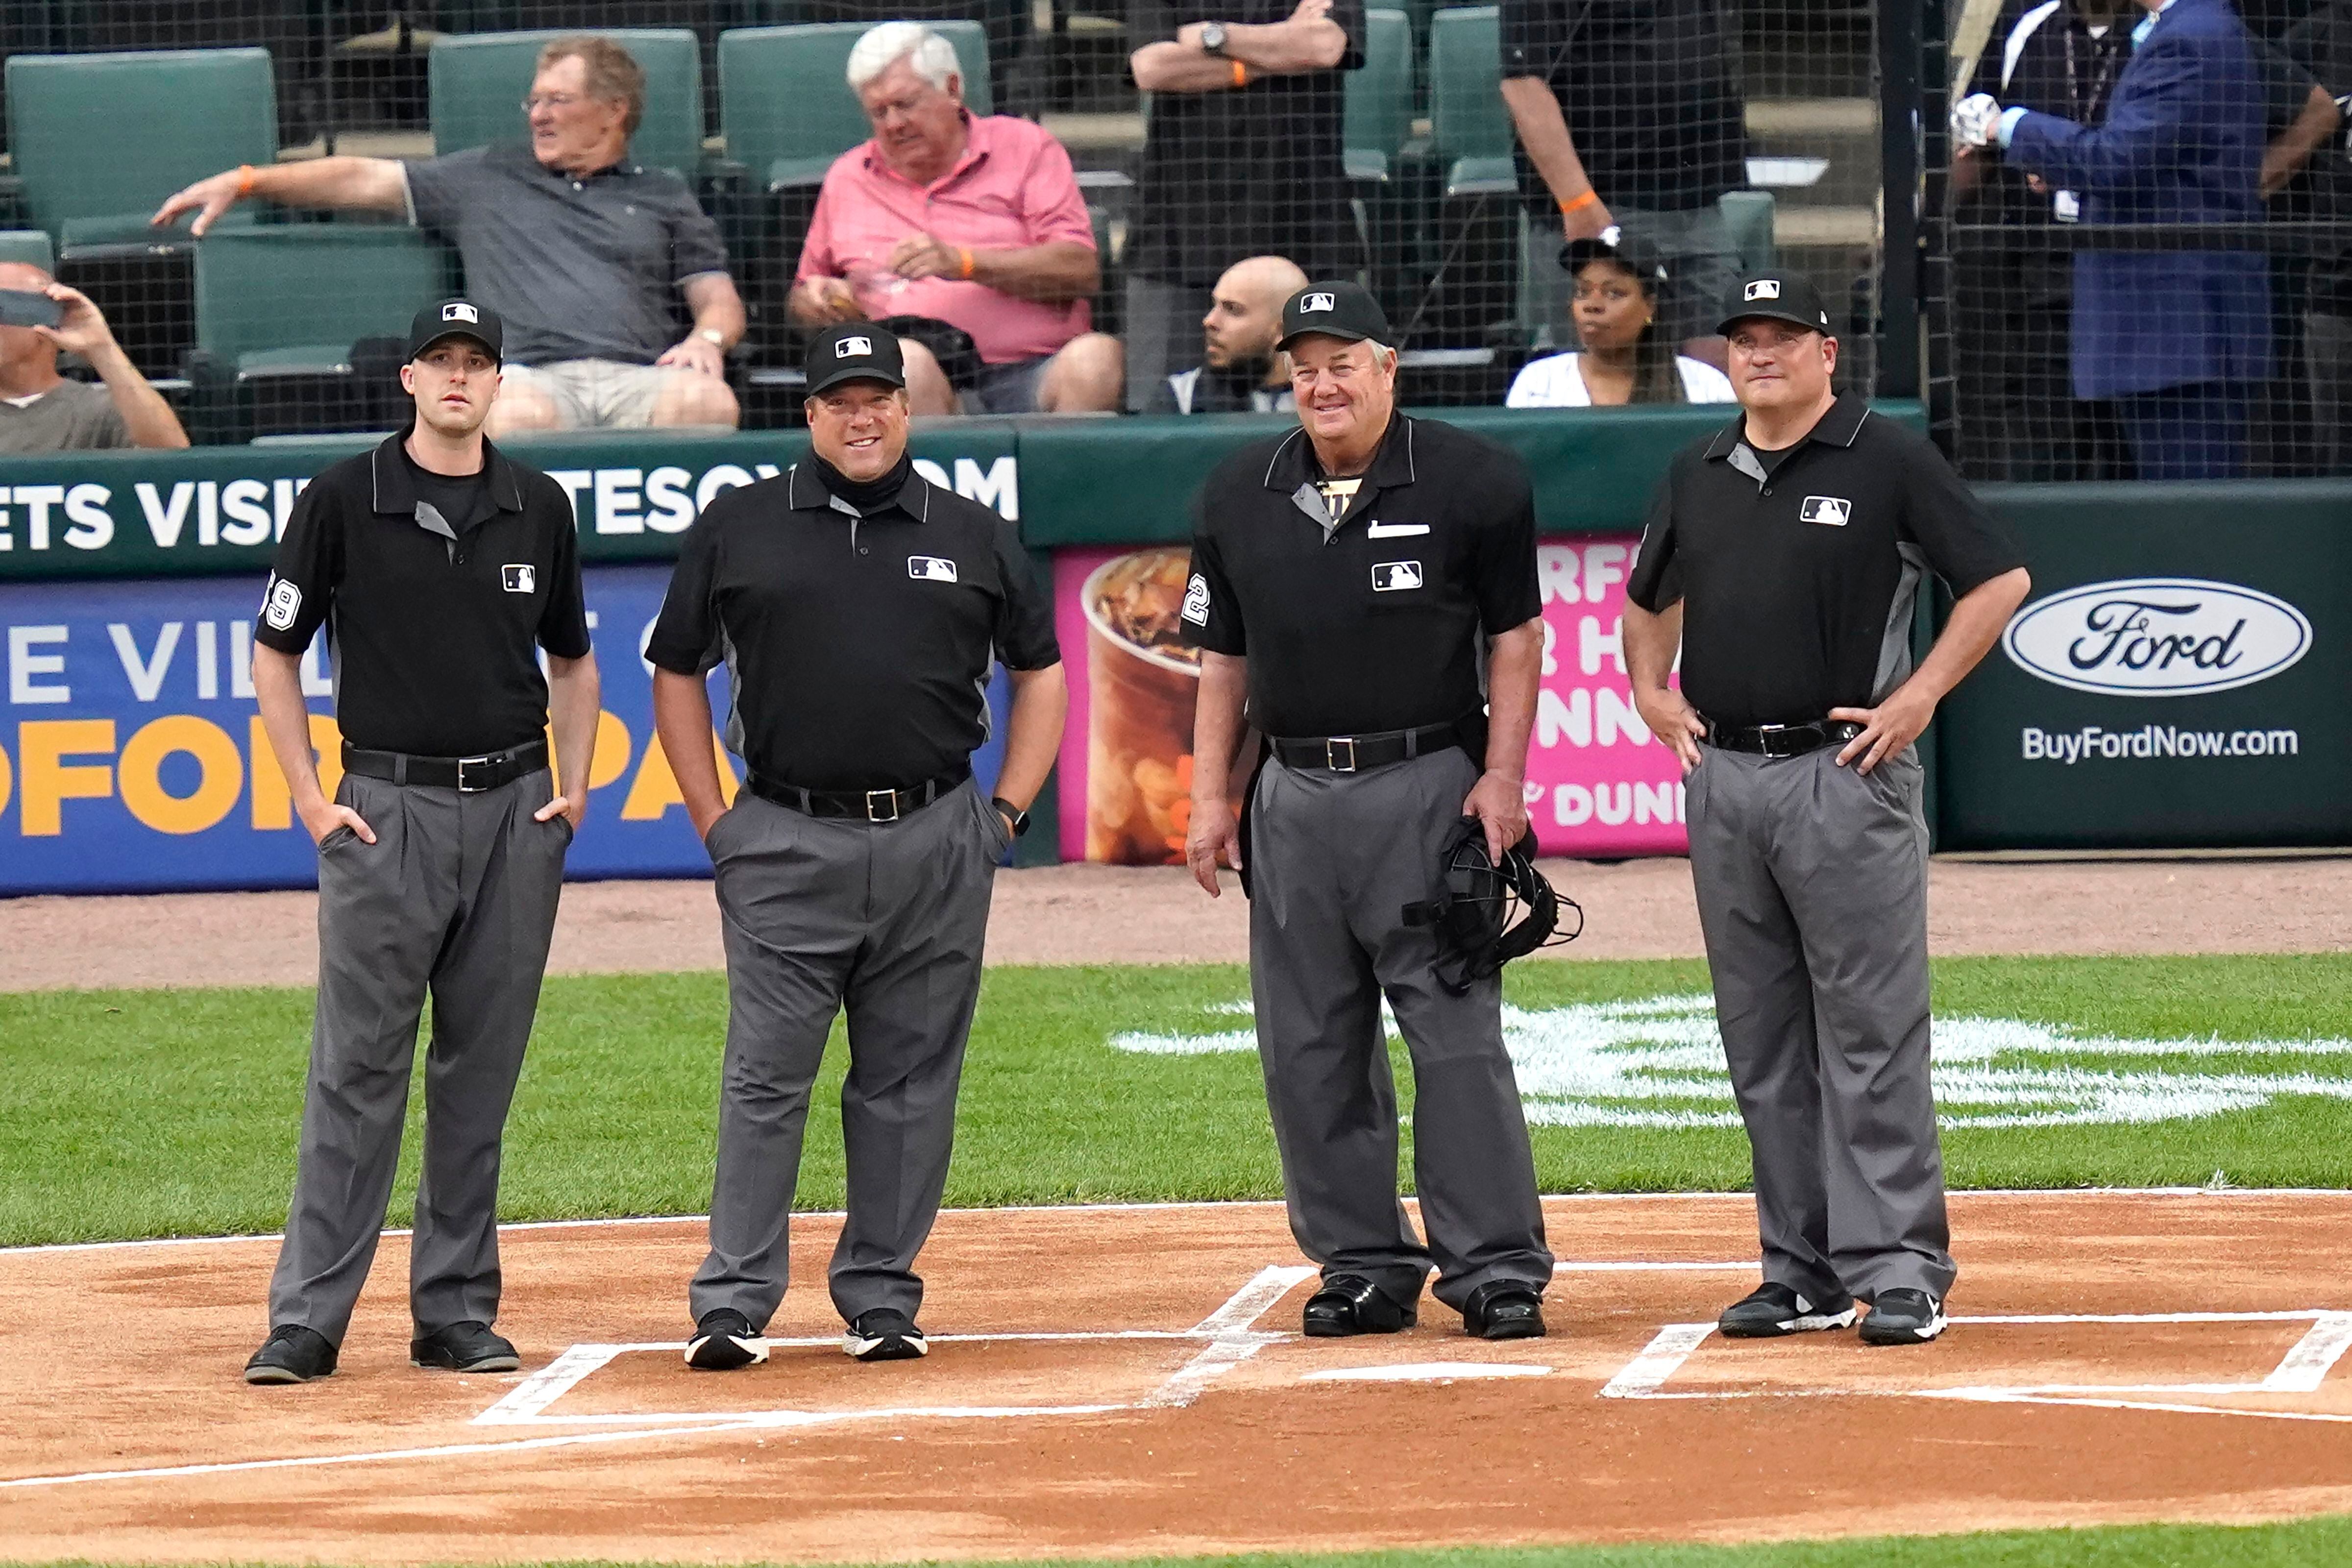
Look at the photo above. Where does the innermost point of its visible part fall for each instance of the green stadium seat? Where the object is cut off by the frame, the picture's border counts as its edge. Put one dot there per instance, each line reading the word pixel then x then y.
pixel 94 171
pixel 29 246
pixel 1470 131
pixel 477 81
pixel 279 307
pixel 1378 116
pixel 1748 214
pixel 785 105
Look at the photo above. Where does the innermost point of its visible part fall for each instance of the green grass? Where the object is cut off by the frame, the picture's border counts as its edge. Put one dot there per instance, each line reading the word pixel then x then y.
pixel 2307 1543
pixel 174 1112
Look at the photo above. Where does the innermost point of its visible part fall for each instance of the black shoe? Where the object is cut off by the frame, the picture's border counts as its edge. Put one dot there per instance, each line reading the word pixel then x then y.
pixel 292 1353
pixel 884 1333
pixel 1773 1309
pixel 724 1341
pixel 1902 1317
pixel 1350 1304
pixel 1504 1310
pixel 468 1346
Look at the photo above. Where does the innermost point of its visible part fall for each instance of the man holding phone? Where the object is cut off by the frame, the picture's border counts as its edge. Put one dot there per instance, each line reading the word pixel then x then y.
pixel 41 411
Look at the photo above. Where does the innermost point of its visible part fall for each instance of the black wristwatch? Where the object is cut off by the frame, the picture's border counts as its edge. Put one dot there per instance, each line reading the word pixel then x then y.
pixel 1020 817
pixel 1213 38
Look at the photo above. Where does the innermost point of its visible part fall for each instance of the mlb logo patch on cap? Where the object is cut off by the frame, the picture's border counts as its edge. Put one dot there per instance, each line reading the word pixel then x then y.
pixel 1764 288
pixel 848 347
pixel 1315 303
pixel 458 311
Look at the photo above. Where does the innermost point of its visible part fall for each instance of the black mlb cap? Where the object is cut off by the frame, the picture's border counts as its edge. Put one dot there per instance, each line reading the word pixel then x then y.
pixel 854 352
pixel 1776 296
pixel 1613 244
pixel 456 318
pixel 1344 310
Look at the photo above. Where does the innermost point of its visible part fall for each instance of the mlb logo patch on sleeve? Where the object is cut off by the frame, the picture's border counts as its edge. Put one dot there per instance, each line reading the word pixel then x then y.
pixel 1831 509
pixel 281 604
pixel 931 568
pixel 520 579
pixel 1394 576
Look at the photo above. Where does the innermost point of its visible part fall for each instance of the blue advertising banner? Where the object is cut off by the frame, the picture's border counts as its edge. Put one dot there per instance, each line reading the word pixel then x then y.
pixel 133 758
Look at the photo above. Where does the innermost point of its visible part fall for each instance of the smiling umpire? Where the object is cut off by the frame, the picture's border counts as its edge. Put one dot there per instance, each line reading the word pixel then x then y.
pixel 857 608
pixel 1363 590
pixel 440 567
pixel 1784 556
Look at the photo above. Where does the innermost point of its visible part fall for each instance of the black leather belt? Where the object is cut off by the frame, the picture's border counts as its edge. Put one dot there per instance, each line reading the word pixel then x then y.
pixel 872 804
pixel 466 775
pixel 1352 753
pixel 1783 739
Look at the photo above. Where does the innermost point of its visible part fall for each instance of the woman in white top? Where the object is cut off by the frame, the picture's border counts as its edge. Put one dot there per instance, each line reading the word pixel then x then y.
pixel 1624 359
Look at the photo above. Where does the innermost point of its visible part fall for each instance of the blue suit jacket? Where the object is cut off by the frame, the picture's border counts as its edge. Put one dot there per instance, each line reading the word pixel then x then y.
pixel 2183 143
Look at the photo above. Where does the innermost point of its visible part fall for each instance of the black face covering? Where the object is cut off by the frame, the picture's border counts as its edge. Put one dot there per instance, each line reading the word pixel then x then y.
pixel 873 494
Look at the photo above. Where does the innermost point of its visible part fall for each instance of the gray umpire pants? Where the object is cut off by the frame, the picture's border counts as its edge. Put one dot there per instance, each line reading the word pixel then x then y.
pixel 888 918
pixel 1334 859
pixel 1812 893
pixel 456 897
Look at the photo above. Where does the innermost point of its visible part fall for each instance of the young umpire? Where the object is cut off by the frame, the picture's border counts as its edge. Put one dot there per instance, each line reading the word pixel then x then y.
pixel 857 608
pixel 439 567
pixel 1783 555
pixel 1364 589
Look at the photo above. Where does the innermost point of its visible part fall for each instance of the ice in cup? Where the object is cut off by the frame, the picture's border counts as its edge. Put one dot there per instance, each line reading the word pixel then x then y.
pixel 1142 685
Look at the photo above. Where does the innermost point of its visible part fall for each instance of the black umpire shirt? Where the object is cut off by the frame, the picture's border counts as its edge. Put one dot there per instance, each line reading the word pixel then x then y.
pixel 858 647
pixel 1798 585
pixel 432 618
pixel 1372 623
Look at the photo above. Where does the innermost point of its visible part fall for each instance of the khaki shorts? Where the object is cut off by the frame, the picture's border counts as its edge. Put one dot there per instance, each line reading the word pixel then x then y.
pixel 596 394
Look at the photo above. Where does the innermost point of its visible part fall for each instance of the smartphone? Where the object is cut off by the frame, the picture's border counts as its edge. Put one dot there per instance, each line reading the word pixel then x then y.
pixel 27 308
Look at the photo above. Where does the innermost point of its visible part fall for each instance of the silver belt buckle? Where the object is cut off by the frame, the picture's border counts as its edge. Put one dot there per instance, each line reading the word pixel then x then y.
pixel 889 797
pixel 465 763
pixel 1331 754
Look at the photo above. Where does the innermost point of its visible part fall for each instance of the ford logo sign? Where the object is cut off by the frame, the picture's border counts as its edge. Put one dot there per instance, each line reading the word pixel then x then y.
pixel 2157 637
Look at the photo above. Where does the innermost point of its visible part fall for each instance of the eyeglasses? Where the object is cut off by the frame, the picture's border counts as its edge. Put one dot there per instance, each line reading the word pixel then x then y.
pixel 552 100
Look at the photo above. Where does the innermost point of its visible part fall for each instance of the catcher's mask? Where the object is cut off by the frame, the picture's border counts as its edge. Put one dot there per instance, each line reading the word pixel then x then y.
pixel 1489 914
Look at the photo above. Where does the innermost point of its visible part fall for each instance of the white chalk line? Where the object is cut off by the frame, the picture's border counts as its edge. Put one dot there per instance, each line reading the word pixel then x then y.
pixel 1426 1371
pixel 1235 1338
pixel 2302 1370
pixel 1955 1196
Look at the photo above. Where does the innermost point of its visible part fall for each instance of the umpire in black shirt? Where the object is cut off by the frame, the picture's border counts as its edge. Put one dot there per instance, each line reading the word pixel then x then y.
pixel 1784 555
pixel 857 609
pixel 436 564
pixel 1358 587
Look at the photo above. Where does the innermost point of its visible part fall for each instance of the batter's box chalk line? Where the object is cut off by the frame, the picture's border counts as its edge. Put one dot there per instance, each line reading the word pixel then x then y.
pixel 2301 1371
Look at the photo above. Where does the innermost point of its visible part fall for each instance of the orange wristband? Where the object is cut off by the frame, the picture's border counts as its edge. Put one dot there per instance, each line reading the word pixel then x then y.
pixel 243 180
pixel 963 256
pixel 1241 74
pixel 1581 203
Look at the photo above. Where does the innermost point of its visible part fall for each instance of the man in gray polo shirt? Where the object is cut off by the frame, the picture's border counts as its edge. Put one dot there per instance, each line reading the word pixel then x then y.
pixel 576 247
pixel 41 411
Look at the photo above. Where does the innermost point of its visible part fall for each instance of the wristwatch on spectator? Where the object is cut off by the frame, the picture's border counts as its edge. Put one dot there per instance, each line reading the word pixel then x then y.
pixel 1213 38
pixel 1013 814
pixel 713 336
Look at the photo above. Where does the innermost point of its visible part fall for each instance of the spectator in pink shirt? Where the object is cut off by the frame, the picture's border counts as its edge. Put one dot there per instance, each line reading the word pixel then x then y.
pixel 973 222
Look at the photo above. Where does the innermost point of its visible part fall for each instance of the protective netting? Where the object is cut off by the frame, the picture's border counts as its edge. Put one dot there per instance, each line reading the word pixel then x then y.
pixel 1443 155
pixel 2149 270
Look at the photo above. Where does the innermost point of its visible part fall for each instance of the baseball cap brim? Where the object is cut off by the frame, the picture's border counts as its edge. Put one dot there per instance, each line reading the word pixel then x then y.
pixel 1769 314
pixel 472 337
pixel 1342 334
pixel 850 372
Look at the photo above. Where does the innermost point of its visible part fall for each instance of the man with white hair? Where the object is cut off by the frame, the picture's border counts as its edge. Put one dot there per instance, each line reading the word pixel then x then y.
pixel 1360 584
pixel 41 411
pixel 972 221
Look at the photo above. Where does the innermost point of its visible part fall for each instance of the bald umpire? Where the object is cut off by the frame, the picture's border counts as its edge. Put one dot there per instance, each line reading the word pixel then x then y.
pixel 1784 556
pixel 858 609
pixel 440 567
pixel 1363 592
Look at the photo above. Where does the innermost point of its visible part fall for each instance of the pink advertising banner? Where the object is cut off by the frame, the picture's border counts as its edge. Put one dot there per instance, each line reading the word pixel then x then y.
pixel 1599 783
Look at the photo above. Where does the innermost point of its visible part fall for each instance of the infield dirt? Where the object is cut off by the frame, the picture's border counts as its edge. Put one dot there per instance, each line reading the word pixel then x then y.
pixel 1216 1432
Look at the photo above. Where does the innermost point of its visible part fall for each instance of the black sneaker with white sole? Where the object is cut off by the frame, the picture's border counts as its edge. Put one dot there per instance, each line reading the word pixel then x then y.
pixel 1902 1317
pixel 468 1346
pixel 724 1341
pixel 1773 1309
pixel 292 1353
pixel 884 1333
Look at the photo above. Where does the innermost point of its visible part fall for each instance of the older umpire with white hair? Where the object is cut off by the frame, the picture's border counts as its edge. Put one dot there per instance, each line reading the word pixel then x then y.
pixel 951 220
